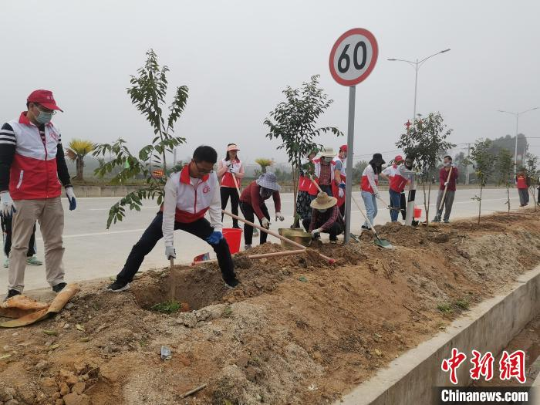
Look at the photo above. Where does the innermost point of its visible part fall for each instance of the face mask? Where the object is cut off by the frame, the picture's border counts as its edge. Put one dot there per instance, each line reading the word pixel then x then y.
pixel 328 159
pixel 44 118
pixel 265 192
pixel 447 164
pixel 409 167
pixel 322 211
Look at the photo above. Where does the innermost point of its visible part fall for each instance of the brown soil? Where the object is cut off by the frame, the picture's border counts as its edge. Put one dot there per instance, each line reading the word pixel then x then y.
pixel 296 331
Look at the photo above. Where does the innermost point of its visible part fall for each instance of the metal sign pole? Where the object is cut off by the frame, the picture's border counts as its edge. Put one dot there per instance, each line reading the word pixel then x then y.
pixel 350 163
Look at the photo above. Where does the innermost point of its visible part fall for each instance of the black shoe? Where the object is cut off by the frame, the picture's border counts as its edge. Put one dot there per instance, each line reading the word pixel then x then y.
pixel 58 287
pixel 367 228
pixel 446 221
pixel 118 286
pixel 11 293
pixel 232 283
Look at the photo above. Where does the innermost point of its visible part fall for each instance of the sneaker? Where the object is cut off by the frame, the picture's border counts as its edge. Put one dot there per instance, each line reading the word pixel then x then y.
pixel 366 228
pixel 6 263
pixel 11 293
pixel 33 261
pixel 436 219
pixel 232 283
pixel 247 247
pixel 333 241
pixel 59 287
pixel 118 286
pixel 446 221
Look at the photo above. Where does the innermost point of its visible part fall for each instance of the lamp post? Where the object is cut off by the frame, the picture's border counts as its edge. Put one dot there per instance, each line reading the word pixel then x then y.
pixel 517 126
pixel 417 65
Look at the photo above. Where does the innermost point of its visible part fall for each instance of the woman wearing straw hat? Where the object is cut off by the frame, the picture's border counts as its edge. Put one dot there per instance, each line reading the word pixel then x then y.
pixel 231 172
pixel 325 217
pixel 303 209
pixel 252 203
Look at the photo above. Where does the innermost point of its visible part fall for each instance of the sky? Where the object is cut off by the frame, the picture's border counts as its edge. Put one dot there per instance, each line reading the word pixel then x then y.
pixel 238 56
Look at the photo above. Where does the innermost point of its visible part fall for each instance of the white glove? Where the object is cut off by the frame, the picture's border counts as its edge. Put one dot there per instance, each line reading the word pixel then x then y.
pixel 265 223
pixel 7 207
pixel 445 183
pixel 170 253
pixel 316 233
pixel 377 195
pixel 341 193
pixel 279 217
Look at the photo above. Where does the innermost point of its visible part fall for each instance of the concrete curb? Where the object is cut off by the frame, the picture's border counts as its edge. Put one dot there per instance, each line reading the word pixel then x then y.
pixel 488 327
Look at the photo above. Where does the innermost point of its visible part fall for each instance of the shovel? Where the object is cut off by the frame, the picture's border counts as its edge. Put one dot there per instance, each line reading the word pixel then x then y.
pixel 378 241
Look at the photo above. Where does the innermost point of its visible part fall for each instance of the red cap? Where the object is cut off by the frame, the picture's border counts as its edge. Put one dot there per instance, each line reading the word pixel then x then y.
pixel 398 158
pixel 343 148
pixel 45 98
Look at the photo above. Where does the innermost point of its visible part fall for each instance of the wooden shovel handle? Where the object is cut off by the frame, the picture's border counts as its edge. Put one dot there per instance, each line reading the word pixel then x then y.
pixel 276 235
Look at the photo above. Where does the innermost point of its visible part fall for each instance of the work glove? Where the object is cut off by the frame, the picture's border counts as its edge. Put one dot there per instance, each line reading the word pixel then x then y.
pixel 214 238
pixel 377 195
pixel 265 223
pixel 341 192
pixel 71 198
pixel 7 207
pixel 316 233
pixel 279 217
pixel 445 183
pixel 170 253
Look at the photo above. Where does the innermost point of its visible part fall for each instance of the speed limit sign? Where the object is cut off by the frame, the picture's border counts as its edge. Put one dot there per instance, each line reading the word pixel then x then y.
pixel 353 57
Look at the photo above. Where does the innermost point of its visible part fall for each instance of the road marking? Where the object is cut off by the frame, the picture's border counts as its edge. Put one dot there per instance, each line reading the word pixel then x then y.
pixel 99 233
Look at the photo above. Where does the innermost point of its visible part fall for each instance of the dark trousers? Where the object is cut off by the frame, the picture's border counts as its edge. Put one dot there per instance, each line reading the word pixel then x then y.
pixel 249 214
pixel 334 231
pixel 227 192
pixel 6 229
pixel 403 205
pixel 327 189
pixel 200 228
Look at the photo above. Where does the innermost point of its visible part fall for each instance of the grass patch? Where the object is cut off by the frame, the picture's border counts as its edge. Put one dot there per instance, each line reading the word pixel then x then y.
pixel 167 307
pixel 445 308
pixel 462 304
pixel 227 312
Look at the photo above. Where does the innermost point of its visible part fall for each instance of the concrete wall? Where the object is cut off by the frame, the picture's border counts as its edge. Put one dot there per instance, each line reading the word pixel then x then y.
pixel 490 326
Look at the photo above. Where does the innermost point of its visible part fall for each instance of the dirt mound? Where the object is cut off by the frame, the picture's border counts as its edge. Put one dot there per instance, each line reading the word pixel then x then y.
pixel 297 330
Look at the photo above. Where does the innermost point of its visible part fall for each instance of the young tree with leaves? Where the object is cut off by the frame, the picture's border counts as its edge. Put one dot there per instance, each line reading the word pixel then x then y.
pixel 148 91
pixel 505 168
pixel 425 142
pixel 294 123
pixel 484 164
pixel 76 152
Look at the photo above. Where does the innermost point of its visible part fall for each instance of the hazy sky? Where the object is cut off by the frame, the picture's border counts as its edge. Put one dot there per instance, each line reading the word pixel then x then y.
pixel 237 56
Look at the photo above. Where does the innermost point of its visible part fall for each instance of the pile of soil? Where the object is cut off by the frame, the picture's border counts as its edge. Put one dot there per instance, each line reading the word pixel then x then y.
pixel 297 330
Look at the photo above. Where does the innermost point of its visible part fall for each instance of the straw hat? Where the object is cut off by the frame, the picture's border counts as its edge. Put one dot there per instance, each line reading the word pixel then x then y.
pixel 323 201
pixel 326 152
pixel 268 180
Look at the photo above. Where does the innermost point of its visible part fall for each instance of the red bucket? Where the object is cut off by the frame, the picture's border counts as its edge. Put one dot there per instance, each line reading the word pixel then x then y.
pixel 233 236
pixel 417 212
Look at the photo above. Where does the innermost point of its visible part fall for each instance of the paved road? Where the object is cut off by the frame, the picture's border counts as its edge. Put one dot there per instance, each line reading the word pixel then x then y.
pixel 93 252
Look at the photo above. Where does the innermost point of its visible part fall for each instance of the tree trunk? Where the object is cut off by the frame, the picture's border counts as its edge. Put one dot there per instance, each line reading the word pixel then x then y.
pixel 508 198
pixel 79 164
pixel 428 202
pixel 295 194
pixel 480 204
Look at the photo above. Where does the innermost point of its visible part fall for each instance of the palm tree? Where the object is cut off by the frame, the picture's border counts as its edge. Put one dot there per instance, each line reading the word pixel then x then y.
pixel 264 163
pixel 78 149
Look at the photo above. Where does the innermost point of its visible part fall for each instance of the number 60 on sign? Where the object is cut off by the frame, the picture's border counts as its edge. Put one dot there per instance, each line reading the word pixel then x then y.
pixel 353 57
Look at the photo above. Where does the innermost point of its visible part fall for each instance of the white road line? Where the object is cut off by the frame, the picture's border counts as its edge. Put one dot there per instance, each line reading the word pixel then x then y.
pixel 100 233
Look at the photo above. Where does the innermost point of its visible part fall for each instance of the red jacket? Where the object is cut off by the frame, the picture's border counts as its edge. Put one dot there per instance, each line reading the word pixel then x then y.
pixel 251 196
pixel 444 177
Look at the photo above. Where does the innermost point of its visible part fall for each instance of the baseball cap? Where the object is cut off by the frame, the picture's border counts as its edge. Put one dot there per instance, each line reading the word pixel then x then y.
pixel 343 148
pixel 398 158
pixel 45 98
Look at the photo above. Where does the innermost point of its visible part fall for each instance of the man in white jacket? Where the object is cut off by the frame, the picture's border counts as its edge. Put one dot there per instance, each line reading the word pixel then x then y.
pixel 189 194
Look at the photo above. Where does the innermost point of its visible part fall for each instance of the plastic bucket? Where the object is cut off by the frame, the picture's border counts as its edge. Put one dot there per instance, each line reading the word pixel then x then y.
pixel 417 212
pixel 233 236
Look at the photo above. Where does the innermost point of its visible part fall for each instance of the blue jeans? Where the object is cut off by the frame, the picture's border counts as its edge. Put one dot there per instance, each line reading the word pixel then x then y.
pixel 371 207
pixel 395 202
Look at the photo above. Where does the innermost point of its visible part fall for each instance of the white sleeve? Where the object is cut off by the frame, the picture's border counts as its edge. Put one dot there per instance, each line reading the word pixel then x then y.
pixel 169 211
pixel 387 171
pixel 215 211
pixel 371 179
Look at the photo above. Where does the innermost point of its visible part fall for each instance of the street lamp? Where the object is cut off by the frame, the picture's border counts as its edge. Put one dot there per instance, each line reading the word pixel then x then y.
pixel 417 65
pixel 517 125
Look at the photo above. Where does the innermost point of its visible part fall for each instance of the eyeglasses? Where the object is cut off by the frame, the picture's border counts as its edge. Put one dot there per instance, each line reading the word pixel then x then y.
pixel 202 171
pixel 44 110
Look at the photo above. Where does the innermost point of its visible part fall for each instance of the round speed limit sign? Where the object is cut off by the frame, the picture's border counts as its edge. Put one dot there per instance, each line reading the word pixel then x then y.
pixel 353 57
